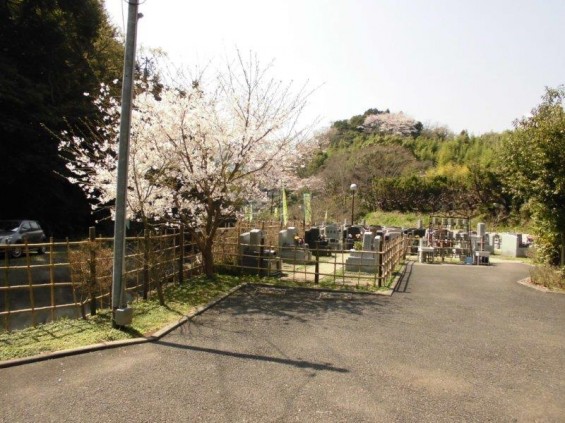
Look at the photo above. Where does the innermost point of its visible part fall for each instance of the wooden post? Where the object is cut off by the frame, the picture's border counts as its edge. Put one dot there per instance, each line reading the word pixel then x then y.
pixel 92 269
pixel 51 280
pixel 181 253
pixel 146 241
pixel 80 307
pixel 7 291
pixel 239 257
pixel 30 283
pixel 380 252
pixel 317 267
pixel 160 273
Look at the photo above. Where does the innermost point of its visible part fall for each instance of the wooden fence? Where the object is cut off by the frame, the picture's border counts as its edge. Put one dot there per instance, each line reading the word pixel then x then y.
pixel 74 278
pixel 325 267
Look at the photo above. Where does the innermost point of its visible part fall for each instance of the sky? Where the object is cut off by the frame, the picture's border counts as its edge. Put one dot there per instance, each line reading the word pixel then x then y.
pixel 470 65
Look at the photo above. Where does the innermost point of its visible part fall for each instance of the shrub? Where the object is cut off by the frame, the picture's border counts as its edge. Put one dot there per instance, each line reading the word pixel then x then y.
pixel 551 277
pixel 91 258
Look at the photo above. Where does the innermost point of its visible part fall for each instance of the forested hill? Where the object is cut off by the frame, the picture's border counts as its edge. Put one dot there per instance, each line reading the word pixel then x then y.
pixel 400 164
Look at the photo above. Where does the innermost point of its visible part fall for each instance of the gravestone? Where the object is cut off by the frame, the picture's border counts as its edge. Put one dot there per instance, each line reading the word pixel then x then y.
pixel 513 245
pixel 254 258
pixel 292 249
pixel 316 243
pixel 426 252
pixel 332 234
pixel 369 259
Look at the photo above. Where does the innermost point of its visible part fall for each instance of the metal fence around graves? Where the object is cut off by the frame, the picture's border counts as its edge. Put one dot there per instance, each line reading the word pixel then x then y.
pixel 323 266
pixel 73 279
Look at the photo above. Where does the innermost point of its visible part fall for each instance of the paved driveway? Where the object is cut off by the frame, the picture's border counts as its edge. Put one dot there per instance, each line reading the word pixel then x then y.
pixel 455 343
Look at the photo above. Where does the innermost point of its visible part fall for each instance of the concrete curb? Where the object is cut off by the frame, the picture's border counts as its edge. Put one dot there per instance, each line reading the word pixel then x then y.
pixel 527 282
pixel 123 342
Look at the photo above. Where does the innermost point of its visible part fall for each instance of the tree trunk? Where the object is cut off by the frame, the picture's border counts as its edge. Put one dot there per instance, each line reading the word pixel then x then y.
pixel 208 259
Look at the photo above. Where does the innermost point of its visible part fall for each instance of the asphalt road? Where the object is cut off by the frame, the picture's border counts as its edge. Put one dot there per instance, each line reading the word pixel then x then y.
pixel 455 343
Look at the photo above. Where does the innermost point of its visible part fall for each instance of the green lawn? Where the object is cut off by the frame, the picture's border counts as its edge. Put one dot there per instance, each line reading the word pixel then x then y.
pixel 148 317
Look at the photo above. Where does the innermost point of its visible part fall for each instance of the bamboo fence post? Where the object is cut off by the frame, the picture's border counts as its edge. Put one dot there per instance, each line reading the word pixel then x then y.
pixel 160 272
pixel 92 269
pixel 30 284
pixel 192 252
pixel 79 307
pixel 343 269
pixel 145 263
pixel 7 291
pixel 52 281
pixel 382 252
pixel 181 254
pixel 239 257
pixel 335 267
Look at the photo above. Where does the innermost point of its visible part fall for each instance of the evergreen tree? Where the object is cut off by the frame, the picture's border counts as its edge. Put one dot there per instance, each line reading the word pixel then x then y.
pixel 51 53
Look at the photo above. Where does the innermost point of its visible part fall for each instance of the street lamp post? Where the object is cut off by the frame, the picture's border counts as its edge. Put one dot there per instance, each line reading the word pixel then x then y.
pixel 352 188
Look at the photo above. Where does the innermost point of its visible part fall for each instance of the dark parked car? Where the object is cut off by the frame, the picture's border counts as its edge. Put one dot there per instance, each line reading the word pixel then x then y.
pixel 18 232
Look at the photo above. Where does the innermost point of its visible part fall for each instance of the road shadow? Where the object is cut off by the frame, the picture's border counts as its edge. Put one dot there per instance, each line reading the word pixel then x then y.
pixel 298 304
pixel 296 363
pixel 404 280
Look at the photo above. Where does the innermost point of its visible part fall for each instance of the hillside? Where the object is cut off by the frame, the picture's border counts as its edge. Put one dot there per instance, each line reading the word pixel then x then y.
pixel 401 165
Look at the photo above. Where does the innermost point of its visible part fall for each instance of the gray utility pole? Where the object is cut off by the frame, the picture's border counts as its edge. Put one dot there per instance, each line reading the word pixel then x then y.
pixel 121 314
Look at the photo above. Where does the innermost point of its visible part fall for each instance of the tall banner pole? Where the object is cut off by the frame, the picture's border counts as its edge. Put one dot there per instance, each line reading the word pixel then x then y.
pixel 284 207
pixel 307 197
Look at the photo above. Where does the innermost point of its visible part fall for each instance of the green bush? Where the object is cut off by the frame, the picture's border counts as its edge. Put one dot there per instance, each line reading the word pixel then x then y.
pixel 551 277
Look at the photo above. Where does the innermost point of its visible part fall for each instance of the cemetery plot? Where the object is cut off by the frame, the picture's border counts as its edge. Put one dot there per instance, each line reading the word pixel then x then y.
pixel 318 257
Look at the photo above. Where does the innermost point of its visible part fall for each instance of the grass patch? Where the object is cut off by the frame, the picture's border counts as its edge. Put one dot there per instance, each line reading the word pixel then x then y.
pixel 396 219
pixel 497 258
pixel 148 317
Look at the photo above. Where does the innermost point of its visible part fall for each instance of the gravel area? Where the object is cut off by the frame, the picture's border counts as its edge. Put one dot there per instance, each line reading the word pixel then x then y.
pixel 454 343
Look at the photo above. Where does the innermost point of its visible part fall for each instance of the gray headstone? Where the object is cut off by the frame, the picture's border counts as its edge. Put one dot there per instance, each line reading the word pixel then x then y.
pixel 291 233
pixel 377 243
pixel 367 241
pixel 283 238
pixel 244 238
pixel 256 237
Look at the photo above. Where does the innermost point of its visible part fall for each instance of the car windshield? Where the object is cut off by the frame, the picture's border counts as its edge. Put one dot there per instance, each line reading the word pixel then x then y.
pixel 9 225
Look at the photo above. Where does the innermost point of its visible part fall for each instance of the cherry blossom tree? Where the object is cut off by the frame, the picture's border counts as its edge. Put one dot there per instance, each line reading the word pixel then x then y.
pixel 391 123
pixel 230 142
pixel 92 156
pixel 197 151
